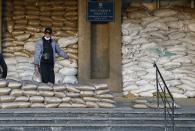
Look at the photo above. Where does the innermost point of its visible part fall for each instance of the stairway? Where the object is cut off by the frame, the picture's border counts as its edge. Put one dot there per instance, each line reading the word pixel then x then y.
pixel 77 119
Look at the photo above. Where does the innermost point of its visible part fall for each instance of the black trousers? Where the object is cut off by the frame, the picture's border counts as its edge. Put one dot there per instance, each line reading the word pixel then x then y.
pixel 47 72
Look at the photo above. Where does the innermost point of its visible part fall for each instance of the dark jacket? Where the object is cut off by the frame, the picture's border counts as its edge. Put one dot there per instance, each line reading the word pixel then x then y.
pixel 3 66
pixel 39 51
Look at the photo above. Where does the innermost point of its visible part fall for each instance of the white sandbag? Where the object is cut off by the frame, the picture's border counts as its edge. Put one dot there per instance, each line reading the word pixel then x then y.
pixel 23 104
pixel 191 27
pixel 188 83
pixel 45 87
pixel 30 92
pixel 53 105
pixel 21 99
pixel 189 39
pixel 75 105
pixel 46 93
pixel 7 98
pixel 87 93
pixel 176 95
pixel 72 94
pixel 36 99
pixel 10 61
pixel 101 86
pixel 139 41
pixel 165 12
pixel 22 37
pixel 60 94
pixel 49 100
pixel 11 68
pixel 108 101
pixel 176 35
pixel 66 99
pixel 172 65
pixel 16 92
pixel 59 78
pixel 70 80
pixel 77 100
pixel 29 87
pixel 68 71
pixel 67 63
pixel 59 88
pixel 85 88
pixel 142 82
pixel 99 92
pixel 26 74
pixel 14 84
pixel 147 20
pixel 131 87
pixel 30 46
pixel 173 83
pixel 106 105
pixel 92 104
pixel 20 59
pixel 65 41
pixel 10 105
pixel 167 19
pixel 3 83
pixel 146 94
pixel 65 105
pixel 190 94
pixel 161 26
pixel 72 88
pixel 105 96
pixel 37 105
pixel 90 99
pixel 5 91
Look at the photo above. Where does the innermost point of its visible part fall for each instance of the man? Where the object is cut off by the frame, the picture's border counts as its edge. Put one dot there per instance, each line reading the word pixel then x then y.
pixel 3 67
pixel 44 58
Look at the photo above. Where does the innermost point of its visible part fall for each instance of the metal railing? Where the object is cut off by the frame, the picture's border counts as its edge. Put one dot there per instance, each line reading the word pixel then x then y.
pixel 167 99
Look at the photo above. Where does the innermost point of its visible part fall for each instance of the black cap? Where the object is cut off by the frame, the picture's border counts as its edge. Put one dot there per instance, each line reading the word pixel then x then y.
pixel 48 30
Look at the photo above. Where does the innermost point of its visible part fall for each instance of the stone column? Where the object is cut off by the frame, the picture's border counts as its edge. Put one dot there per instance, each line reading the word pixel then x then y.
pixel 110 41
pixel 84 35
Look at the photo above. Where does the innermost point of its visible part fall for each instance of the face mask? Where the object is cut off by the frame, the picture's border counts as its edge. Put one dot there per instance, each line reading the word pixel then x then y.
pixel 47 38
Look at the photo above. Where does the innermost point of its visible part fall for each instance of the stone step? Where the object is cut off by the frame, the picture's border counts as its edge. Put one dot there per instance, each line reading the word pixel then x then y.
pixel 90 120
pixel 86 127
pixel 90 112
pixel 77 119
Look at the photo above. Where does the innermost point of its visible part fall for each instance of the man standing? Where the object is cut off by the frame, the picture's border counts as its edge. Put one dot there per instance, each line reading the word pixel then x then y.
pixel 44 58
pixel 3 67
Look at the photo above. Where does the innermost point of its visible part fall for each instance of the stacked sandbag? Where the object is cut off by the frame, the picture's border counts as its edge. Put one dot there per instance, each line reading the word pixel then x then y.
pixel 22 68
pixel 66 72
pixel 27 94
pixel 165 36
pixel 24 23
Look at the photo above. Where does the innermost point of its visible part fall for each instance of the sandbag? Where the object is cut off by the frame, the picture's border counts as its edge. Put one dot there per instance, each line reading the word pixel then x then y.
pixel 16 92
pixel 22 37
pixel 30 46
pixel 65 41
pixel 70 80
pixel 37 105
pixel 52 100
pixel 7 98
pixel 46 93
pixel 3 83
pixel 106 105
pixel 59 88
pixel 36 99
pixel 21 99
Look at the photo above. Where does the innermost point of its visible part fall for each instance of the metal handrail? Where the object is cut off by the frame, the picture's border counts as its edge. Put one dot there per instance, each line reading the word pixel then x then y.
pixel 162 92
